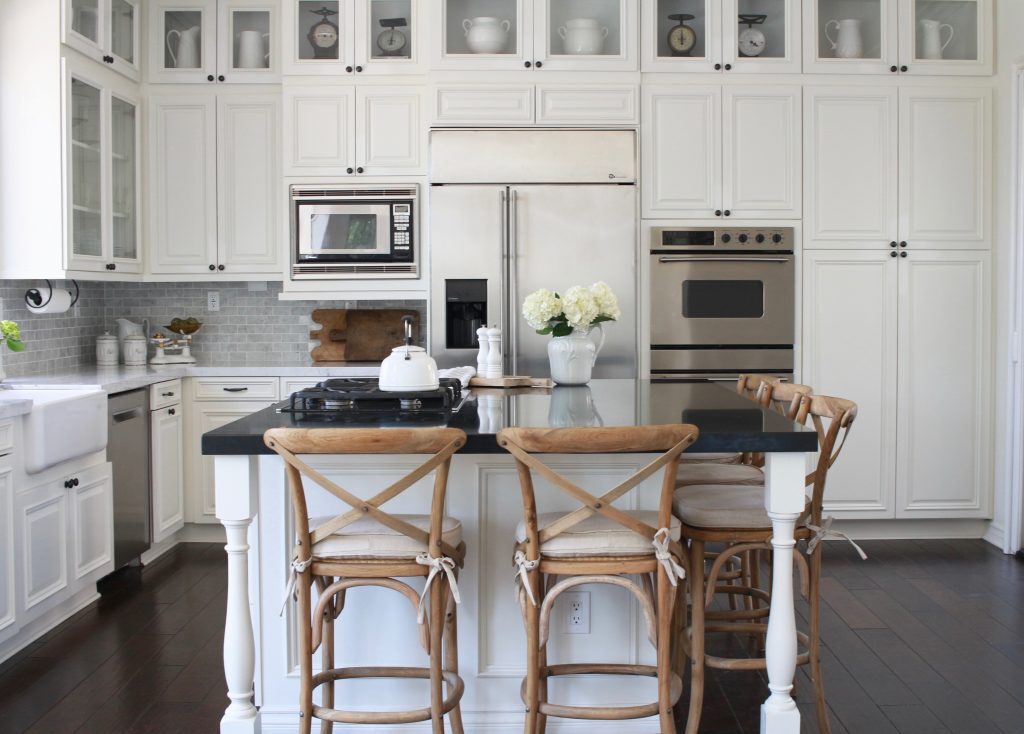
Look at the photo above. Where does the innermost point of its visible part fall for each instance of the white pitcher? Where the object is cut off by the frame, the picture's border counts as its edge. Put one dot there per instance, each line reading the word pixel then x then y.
pixel 848 43
pixel 572 357
pixel 250 50
pixel 485 35
pixel 187 56
pixel 931 39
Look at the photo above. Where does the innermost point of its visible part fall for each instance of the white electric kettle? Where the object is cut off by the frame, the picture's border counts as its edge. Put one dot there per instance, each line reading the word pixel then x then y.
pixel 408 368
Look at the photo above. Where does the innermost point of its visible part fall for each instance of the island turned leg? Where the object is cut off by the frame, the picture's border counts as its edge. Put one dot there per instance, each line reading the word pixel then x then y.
pixel 236 508
pixel 784 500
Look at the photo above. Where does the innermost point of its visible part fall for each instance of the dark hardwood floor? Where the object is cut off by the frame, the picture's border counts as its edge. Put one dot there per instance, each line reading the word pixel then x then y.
pixel 923 637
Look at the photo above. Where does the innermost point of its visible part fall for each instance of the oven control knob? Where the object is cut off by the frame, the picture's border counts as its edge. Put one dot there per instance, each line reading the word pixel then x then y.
pixel 759 238
pixel 744 238
pixel 726 237
pixel 776 238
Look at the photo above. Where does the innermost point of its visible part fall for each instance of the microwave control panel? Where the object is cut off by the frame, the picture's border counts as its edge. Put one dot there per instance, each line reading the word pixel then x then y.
pixel 401 231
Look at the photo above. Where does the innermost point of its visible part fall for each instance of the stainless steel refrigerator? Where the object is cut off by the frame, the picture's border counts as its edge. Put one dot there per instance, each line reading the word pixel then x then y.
pixel 512 211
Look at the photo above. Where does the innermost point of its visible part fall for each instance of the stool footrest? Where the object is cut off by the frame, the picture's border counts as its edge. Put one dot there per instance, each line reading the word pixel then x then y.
pixel 455 689
pixel 603 713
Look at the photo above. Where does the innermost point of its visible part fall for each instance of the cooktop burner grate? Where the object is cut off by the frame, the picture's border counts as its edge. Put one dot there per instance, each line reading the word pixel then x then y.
pixel 362 397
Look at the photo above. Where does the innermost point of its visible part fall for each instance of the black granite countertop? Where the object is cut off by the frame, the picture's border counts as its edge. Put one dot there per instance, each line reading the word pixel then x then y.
pixel 727 421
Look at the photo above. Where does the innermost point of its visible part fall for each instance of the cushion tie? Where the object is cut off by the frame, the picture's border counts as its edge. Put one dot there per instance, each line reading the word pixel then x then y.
pixel 437 565
pixel 824 531
pixel 672 568
pixel 293 578
pixel 523 568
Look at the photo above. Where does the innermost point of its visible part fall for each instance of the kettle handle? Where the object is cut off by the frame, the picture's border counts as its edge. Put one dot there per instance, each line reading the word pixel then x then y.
pixel 407 322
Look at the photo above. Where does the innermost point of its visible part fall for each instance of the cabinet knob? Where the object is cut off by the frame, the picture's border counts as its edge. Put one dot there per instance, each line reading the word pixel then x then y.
pixel 904 68
pixel 349 170
pixel 348 69
pixel 718 212
pixel 213 267
pixel 718 67
pixel 903 254
pixel 74 482
pixel 728 67
pixel 220 78
pixel 892 244
pixel 527 64
pixel 903 244
pixel 893 69
pixel 892 254
pixel 209 78
pixel 539 64
pixel 170 411
pixel 67 484
pixel 220 267
pixel 109 266
pixel 728 213
pixel 359 170
pixel 359 70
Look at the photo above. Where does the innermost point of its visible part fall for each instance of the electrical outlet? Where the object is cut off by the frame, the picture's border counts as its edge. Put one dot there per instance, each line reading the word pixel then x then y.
pixel 576 612
pixel 212 301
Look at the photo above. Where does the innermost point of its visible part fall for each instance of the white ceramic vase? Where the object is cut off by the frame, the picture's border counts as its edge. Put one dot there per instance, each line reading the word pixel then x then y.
pixel 486 35
pixel 582 37
pixel 572 357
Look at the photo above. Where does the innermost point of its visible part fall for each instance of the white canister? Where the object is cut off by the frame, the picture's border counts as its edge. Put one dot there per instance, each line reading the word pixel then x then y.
pixel 106 350
pixel 582 37
pixel 486 35
pixel 136 349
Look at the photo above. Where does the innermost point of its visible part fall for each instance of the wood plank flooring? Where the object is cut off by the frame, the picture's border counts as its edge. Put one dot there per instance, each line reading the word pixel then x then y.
pixel 923 637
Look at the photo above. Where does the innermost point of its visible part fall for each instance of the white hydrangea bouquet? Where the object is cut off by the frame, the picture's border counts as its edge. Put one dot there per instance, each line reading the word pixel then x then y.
pixel 579 308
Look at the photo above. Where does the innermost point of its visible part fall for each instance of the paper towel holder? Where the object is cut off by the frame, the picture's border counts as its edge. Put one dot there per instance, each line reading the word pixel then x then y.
pixel 34 296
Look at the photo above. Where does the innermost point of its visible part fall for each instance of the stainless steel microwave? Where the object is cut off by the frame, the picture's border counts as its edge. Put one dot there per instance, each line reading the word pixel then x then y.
pixel 354 232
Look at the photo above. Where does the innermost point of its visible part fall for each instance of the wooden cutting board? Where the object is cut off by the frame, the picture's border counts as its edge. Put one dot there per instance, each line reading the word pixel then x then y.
pixel 359 335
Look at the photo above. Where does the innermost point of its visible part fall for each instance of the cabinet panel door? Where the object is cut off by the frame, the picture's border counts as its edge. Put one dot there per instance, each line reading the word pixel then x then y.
pixel 682 151
pixel 945 167
pixel 775 47
pixel 578 104
pixel 944 410
pixel 92 523
pixel 611 46
pixel 849 350
pixel 248 41
pixel 941 37
pixel 318 130
pixel 248 184
pixel 761 152
pixel 850 167
pixel 182 41
pixel 7 555
pixel 167 472
pixel 859 37
pixel 503 36
pixel 125 173
pixel 87 108
pixel 183 184
pixel 390 135
pixel 478 105
pixel 385 50
pixel 41 515
pixel 655 26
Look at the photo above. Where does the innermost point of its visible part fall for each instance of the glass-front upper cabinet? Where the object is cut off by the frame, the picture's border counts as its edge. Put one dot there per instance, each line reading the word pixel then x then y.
pixel 483 34
pixel 898 36
pixel 105 30
pixel 124 166
pixel 721 35
pixel 354 36
pixel 85 184
pixel 585 34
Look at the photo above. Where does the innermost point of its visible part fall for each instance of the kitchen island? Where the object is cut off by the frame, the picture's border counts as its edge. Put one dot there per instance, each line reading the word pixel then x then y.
pixel 253 505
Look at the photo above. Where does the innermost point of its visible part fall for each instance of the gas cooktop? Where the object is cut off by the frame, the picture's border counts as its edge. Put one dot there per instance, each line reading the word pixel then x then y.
pixel 356 398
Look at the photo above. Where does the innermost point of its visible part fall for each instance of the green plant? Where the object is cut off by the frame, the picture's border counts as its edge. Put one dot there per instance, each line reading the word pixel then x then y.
pixel 12 335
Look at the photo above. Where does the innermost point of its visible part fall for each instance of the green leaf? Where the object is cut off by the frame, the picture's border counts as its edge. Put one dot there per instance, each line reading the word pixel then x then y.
pixel 15 345
pixel 545 331
pixel 562 329
pixel 602 318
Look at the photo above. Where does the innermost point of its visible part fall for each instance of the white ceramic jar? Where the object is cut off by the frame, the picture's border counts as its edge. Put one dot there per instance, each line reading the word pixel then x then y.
pixel 136 350
pixel 583 37
pixel 486 35
pixel 106 350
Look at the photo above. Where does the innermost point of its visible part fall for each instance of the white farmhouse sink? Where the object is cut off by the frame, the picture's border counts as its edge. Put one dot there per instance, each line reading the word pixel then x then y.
pixel 62 425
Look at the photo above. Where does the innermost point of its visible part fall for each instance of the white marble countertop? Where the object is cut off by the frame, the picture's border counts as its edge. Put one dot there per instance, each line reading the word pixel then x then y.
pixel 12 407
pixel 121 378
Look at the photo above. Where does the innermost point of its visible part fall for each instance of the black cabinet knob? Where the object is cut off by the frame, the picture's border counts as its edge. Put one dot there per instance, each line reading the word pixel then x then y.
pixel 213 267
pixel 744 238
pixel 527 64
pixel 74 482
pixel 67 484
pixel 903 254
pixel 718 212
pixel 903 244
pixel 893 69
pixel 359 70
pixel 539 64
pixel 728 213
pixel 726 237
pixel 170 411
pixel 348 69
pixel 350 170
pixel 904 69
pixel 776 238
pixel 728 67
pixel 220 78
pixel 892 254
pixel 209 78
pixel 220 267
pixel 892 244
pixel 718 67
pixel 759 238
pixel 359 170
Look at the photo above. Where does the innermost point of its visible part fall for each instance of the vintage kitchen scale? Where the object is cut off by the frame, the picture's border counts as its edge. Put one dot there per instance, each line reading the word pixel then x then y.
pixel 752 41
pixel 171 350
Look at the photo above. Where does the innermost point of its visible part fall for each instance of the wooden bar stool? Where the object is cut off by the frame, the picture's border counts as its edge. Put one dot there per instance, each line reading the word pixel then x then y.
pixel 597 544
pixel 749 386
pixel 736 516
pixel 366 546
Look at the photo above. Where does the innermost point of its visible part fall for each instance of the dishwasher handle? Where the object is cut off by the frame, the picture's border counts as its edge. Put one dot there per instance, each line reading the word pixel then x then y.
pixel 127 415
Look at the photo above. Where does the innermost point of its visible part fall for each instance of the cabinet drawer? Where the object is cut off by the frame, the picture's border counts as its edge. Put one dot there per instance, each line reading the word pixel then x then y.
pixel 163 394
pixel 6 437
pixel 473 105
pixel 238 388
pixel 587 105
pixel 294 384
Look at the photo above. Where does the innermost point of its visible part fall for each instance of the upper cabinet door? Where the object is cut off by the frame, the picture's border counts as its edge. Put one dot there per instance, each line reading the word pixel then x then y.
pixel 390 36
pixel 586 35
pixel 850 167
pixel 483 34
pixel 761 36
pixel 945 167
pixel 87 194
pixel 843 37
pixel 319 135
pixel 106 31
pixel 761 152
pixel 247 41
pixel 183 41
pixel 681 35
pixel 125 167
pixel 946 37
pixel 391 135
pixel 318 37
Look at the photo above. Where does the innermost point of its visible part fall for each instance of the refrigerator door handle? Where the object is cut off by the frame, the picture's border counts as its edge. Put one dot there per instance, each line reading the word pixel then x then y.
pixel 503 200
pixel 512 348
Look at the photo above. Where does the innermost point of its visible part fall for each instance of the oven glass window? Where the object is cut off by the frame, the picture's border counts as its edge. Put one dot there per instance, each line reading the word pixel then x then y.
pixel 723 299
pixel 333 232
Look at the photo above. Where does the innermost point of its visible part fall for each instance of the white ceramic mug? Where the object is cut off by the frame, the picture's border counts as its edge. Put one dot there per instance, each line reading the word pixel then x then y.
pixel 582 37
pixel 932 45
pixel 187 56
pixel 486 35
pixel 250 50
pixel 848 43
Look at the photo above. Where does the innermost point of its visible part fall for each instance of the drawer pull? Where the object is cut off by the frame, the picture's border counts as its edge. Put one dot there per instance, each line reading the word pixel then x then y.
pixel 167 394
pixel 235 389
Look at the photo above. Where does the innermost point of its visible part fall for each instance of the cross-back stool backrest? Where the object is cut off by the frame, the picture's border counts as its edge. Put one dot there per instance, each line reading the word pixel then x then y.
pixel 832 419
pixel 523 443
pixel 440 443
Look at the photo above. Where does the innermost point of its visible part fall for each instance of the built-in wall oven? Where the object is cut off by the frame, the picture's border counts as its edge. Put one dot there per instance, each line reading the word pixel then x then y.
pixel 722 302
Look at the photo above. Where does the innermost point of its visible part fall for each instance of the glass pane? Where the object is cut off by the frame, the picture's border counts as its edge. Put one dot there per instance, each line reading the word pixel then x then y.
pixel 319 29
pixel 761 29
pixel 585 27
pixel 86 181
pixel 341 232
pixel 723 299
pixel 849 29
pixel 481 27
pixel 946 29
pixel 122 30
pixel 123 166
pixel 250 39
pixel 682 28
pixel 390 29
pixel 85 18
pixel 183 39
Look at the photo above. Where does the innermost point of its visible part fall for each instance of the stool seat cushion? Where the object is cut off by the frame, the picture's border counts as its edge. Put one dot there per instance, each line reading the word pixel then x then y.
pixel 743 474
pixel 724 506
pixel 597 536
pixel 367 538
pixel 730 457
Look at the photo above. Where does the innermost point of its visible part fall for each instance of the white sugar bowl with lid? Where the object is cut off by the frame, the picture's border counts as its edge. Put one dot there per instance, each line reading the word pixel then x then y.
pixel 106 350
pixel 136 349
pixel 583 36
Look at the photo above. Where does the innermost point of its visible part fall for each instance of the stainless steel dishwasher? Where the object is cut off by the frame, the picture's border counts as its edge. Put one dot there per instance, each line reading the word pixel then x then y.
pixel 128 451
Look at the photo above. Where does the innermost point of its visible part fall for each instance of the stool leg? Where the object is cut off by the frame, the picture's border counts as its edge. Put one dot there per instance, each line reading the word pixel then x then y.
pixel 547 582
pixel 532 657
pixel 438 592
pixel 451 659
pixel 696 583
pixel 327 727
pixel 305 654
pixel 814 592
pixel 666 603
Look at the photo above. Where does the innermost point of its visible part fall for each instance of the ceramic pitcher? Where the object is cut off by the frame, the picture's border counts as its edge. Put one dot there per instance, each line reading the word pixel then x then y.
pixel 572 357
pixel 485 35
pixel 931 39
pixel 250 50
pixel 187 47
pixel 848 43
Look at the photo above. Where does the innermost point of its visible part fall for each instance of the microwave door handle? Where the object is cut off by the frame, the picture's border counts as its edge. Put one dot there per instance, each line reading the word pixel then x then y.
pixel 721 259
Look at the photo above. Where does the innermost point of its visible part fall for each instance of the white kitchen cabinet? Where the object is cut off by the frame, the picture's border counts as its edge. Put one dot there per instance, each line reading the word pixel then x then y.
pixel 352 131
pixel 886 167
pixel 91 518
pixel 587 104
pixel 906 338
pixel 43 547
pixel 214 184
pixel 709 153
pixel 106 31
pixel 213 41
pixel 8 560
pixel 769 43
pixel 561 104
pixel 167 471
pixel 370 37
pixel 535 35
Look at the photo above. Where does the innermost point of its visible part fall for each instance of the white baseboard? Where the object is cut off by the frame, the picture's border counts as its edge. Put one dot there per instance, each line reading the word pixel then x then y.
pixel 913 529
pixel 996 535
pixel 39 627
pixel 191 533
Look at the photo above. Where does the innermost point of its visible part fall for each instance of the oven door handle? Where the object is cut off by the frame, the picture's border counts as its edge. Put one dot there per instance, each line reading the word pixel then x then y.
pixel 722 259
